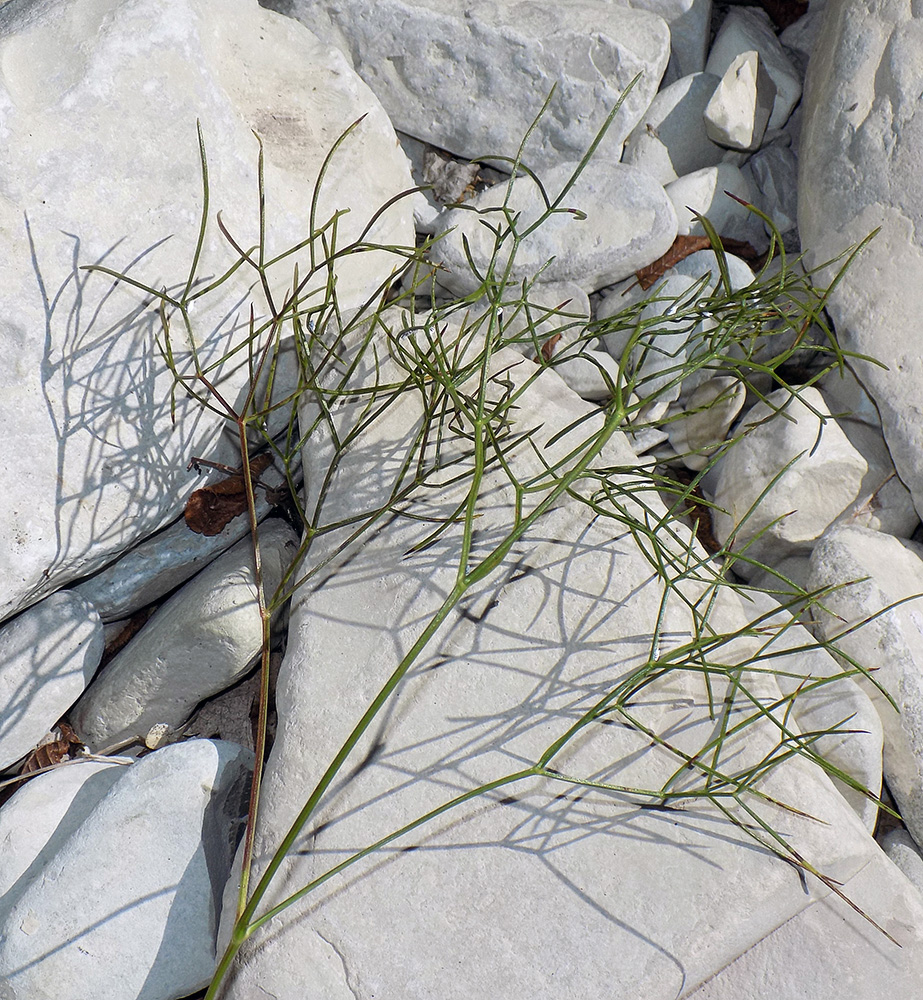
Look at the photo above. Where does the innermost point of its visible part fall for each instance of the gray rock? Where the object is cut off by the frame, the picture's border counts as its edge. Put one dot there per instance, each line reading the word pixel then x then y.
pixel 48 655
pixel 93 95
pixel 629 223
pixel 747 29
pixel 37 821
pixel 903 851
pixel 689 22
pixel 536 639
pixel 862 142
pixel 828 950
pixel 471 78
pixel 706 417
pixel 164 561
pixel 126 907
pixel 738 113
pixel 669 141
pixel 826 475
pixel 706 191
pixel 775 173
pixel 201 641
pixel 873 570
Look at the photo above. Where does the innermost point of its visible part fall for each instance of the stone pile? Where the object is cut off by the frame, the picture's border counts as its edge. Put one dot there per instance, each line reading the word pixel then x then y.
pixel 117 873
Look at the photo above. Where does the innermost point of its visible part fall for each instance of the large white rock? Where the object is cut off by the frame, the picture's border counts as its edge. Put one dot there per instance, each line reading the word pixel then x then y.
pixel 827 475
pixel 549 633
pixel 879 570
pixel 48 655
pixel 707 192
pixel 99 101
pixel 690 23
pixel 471 78
pixel 862 143
pixel 629 223
pixel 201 641
pixel 126 907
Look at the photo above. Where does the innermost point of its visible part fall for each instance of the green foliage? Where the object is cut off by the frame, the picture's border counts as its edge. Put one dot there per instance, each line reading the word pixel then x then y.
pixel 402 348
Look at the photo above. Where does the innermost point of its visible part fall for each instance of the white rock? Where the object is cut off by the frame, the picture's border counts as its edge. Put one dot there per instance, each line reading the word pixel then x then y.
pixel 44 812
pixel 828 950
pixel 739 110
pixel 48 655
pixel 669 141
pixel 494 69
pixel 201 641
pixel 630 223
pixel 839 708
pixel 903 851
pixel 103 166
pixel 745 29
pixel 707 416
pixel 658 357
pixel 589 372
pixel 775 173
pixel 706 191
pixel 126 907
pixel 827 475
pixel 705 262
pixel 859 170
pixel 689 22
pixel 881 569
pixel 164 561
pixel 556 621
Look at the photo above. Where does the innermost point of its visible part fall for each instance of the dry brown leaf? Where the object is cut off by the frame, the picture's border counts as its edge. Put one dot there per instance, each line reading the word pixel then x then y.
pixel 211 508
pixel 682 247
pixel 53 751
pixel 550 344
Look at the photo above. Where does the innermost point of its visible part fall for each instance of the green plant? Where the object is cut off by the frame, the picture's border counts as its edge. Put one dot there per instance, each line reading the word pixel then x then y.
pixel 448 363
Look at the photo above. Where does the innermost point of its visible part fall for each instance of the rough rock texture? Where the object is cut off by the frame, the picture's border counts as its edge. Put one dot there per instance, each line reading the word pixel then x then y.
pixel 48 655
pixel 127 905
pixel 880 570
pixel 861 147
pixel 201 641
pixel 827 474
pixel 533 641
pixel 100 165
pixel 629 223
pixel 494 64
pixel 904 852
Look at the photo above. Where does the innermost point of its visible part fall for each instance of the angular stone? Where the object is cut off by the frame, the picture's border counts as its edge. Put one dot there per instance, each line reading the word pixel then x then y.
pixel 494 69
pixel 826 475
pixel 862 143
pixel 48 655
pixel 126 907
pixel 739 110
pixel 689 22
pixel 629 223
pixel 775 173
pixel 746 29
pixel 93 95
pixel 706 191
pixel 201 641
pixel 669 141
pixel 872 571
